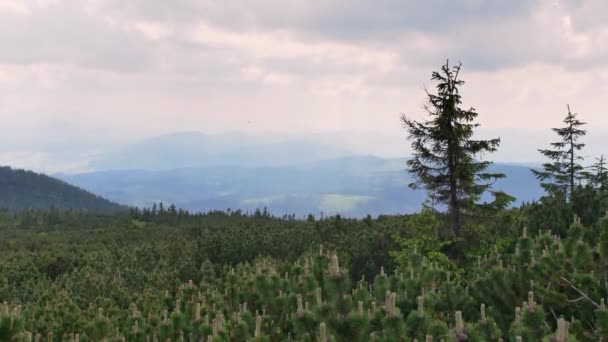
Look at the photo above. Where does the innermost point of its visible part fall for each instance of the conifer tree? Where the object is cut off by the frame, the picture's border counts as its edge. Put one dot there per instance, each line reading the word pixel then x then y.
pixel 564 170
pixel 446 157
pixel 599 174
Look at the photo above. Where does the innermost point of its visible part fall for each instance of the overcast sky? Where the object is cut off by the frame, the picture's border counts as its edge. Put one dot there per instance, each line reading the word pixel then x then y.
pixel 133 68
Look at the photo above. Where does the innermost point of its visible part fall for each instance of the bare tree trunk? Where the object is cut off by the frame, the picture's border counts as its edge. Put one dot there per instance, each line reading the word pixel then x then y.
pixel 454 206
pixel 572 171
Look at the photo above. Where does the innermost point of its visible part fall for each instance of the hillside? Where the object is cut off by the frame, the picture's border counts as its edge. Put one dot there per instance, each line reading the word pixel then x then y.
pixel 21 189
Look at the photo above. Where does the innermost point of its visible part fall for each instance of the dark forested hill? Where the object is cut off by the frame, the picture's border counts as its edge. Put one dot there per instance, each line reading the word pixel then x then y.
pixel 21 189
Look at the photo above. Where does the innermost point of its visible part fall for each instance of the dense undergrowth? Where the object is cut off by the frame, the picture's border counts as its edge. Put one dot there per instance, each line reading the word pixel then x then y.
pixel 529 273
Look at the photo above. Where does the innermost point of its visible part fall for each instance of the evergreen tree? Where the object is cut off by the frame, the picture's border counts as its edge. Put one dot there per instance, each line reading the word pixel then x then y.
pixel 446 157
pixel 599 174
pixel 173 210
pixel 564 170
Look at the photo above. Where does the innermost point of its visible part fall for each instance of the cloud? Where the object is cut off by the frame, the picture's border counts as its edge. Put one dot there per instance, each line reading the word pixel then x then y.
pixel 62 32
pixel 145 67
pixel 492 34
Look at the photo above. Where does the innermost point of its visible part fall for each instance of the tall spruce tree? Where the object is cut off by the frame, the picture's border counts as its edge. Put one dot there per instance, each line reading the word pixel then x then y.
pixel 564 170
pixel 598 176
pixel 446 159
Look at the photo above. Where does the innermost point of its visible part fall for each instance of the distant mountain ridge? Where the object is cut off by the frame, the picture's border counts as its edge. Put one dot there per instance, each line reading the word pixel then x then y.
pixel 352 186
pixel 21 189
pixel 200 172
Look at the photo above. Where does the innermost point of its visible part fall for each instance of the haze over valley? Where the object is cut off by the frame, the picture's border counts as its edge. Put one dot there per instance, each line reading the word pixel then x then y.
pixel 199 172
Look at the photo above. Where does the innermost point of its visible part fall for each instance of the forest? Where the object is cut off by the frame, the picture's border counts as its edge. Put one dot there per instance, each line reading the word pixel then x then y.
pixel 23 189
pixel 461 269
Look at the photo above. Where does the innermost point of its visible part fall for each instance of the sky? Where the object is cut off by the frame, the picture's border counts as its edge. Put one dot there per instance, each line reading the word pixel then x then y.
pixel 116 70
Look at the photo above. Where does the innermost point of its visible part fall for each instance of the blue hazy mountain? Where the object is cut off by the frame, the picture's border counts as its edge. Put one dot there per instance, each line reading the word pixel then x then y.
pixel 352 186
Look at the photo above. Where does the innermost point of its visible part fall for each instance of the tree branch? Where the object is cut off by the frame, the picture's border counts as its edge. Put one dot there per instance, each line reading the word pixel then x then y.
pixel 581 292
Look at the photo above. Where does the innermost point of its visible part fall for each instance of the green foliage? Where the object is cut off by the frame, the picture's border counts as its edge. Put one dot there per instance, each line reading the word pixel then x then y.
pixel 564 170
pixel 446 156
pixel 423 241
pixel 598 177
pixel 233 277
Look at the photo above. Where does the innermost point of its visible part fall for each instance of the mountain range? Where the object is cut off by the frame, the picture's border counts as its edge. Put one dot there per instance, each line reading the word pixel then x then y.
pixel 201 172
pixel 352 186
